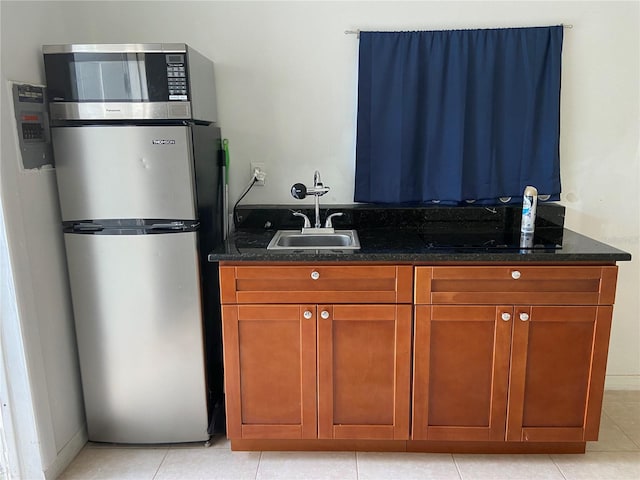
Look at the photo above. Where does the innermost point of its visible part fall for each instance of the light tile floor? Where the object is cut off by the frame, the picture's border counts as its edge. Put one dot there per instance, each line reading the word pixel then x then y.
pixel 616 456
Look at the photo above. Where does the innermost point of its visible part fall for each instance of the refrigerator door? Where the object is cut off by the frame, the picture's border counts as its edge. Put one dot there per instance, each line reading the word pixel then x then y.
pixel 125 171
pixel 137 308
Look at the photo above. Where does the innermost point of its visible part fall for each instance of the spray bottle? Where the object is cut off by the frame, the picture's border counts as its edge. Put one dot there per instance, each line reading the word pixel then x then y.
pixel 529 206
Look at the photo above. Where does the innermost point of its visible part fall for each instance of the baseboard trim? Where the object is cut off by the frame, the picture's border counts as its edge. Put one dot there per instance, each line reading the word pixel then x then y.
pixel 422 446
pixel 622 382
pixel 67 454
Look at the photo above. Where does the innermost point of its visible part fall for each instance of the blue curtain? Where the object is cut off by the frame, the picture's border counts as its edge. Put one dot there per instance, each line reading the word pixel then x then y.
pixel 459 115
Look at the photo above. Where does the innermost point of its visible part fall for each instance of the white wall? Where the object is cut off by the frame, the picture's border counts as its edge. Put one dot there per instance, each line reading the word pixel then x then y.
pixel 36 301
pixel 287 81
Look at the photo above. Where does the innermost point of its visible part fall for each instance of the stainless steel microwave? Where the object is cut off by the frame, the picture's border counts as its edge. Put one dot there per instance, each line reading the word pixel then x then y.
pixel 148 81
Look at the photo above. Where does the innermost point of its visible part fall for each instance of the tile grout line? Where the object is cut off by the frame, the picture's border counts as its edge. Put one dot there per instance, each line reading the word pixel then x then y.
pixel 257 466
pixel 455 464
pixel 357 469
pixel 558 466
pixel 620 427
pixel 622 430
pixel 160 464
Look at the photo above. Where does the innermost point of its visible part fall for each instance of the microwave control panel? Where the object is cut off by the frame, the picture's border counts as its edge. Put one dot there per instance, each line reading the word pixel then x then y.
pixel 177 77
pixel 34 136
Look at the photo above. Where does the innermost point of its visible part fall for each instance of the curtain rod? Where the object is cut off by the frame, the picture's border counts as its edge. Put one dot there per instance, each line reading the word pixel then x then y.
pixel 357 32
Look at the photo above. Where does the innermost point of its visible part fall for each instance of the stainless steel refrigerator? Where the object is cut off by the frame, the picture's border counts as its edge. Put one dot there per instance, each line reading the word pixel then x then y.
pixel 141 208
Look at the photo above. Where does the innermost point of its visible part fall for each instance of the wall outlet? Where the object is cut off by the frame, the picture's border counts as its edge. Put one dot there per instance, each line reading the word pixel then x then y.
pixel 261 176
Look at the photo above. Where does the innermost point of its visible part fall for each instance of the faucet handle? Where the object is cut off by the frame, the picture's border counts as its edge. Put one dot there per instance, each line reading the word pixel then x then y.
pixel 299 191
pixel 327 223
pixel 307 223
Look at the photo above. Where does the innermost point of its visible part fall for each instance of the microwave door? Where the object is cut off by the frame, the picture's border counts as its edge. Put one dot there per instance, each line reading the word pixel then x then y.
pixel 124 171
pixel 107 81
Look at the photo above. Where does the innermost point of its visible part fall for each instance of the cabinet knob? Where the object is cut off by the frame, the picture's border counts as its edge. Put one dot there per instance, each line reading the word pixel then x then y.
pixel 315 275
pixel 515 274
pixel 324 314
pixel 506 316
pixel 524 316
pixel 307 314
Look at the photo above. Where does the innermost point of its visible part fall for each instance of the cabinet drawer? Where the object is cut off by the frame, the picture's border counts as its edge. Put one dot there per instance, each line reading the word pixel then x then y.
pixel 316 284
pixel 549 285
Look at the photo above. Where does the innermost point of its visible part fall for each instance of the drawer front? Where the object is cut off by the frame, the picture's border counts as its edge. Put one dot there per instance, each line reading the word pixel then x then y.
pixel 316 284
pixel 548 285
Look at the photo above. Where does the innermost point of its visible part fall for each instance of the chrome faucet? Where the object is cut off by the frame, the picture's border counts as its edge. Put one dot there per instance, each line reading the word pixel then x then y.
pixel 300 191
pixel 317 191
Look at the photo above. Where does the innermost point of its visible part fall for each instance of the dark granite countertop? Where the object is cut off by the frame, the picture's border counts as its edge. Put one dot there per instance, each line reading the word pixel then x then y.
pixel 403 234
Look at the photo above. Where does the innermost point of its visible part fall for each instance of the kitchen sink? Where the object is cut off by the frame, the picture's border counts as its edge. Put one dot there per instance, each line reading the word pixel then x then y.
pixel 294 240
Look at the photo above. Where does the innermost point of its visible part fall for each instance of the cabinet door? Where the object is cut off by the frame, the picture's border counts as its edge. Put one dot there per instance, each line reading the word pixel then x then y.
pixel 558 362
pixel 364 365
pixel 270 370
pixel 461 362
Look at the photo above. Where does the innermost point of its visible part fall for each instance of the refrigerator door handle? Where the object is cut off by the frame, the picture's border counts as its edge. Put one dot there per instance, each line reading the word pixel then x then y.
pixel 169 226
pixel 87 227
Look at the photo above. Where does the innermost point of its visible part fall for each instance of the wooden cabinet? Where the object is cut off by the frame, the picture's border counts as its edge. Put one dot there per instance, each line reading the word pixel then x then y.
pixel 500 359
pixel 461 361
pixel 270 370
pixel 510 353
pixel 316 284
pixel 301 365
pixel 556 379
pixel 364 371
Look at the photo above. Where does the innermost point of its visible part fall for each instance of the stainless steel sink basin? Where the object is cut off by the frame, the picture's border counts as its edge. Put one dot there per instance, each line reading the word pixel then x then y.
pixel 294 240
